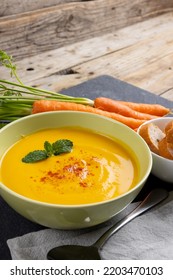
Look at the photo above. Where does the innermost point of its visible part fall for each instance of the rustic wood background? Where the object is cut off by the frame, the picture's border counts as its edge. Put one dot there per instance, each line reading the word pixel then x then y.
pixel 30 27
pixel 60 43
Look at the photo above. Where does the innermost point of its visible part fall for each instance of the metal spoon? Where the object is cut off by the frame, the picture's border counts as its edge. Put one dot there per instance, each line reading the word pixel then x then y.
pixel 77 252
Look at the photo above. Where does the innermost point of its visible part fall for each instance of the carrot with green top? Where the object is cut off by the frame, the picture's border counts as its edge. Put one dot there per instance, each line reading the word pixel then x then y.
pixel 152 109
pixel 122 108
pixel 53 105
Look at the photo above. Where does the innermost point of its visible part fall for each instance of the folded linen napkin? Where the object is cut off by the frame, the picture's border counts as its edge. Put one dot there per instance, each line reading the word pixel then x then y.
pixel 149 236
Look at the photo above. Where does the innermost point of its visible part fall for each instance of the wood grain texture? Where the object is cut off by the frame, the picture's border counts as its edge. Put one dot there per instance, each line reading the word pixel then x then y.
pixel 13 7
pixel 141 54
pixel 27 34
pixel 88 51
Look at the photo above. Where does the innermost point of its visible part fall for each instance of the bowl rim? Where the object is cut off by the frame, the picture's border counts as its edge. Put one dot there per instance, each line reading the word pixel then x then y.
pixel 69 206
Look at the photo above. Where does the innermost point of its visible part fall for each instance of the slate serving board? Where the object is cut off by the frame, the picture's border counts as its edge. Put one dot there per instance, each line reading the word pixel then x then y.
pixel 11 223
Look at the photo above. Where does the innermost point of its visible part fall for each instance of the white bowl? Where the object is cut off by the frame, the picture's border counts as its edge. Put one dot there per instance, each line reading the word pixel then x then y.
pixel 162 167
pixel 74 216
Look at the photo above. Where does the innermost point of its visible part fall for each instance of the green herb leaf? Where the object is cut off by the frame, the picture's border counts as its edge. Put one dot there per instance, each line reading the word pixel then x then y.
pixel 62 146
pixel 48 148
pixel 57 148
pixel 35 156
pixel 7 61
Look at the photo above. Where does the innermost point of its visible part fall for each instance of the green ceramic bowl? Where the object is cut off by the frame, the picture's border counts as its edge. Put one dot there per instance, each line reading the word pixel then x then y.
pixel 74 216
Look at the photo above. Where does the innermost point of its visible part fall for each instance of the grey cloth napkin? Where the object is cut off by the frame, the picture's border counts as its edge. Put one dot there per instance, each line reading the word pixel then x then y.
pixel 149 236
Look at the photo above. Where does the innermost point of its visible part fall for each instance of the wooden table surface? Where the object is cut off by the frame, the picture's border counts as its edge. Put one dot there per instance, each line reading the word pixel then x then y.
pixel 141 54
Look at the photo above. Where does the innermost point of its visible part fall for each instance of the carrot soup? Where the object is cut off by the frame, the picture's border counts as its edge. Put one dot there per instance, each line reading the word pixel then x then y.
pixel 97 168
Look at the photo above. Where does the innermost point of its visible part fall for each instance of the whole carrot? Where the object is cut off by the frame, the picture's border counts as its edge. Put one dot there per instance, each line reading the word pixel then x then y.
pixel 53 105
pixel 152 109
pixel 116 106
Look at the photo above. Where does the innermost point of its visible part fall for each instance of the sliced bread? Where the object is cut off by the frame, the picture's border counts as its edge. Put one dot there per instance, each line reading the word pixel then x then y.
pixel 169 136
pixel 152 134
pixel 168 126
pixel 165 149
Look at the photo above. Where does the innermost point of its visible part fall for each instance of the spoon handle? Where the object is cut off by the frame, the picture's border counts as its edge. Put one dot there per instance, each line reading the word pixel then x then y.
pixel 153 198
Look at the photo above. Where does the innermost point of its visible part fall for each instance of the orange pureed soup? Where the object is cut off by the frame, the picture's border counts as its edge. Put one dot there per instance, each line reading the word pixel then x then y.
pixel 97 169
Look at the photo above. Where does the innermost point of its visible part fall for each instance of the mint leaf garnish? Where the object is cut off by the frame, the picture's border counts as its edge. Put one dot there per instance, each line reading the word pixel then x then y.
pixel 48 148
pixel 56 148
pixel 35 156
pixel 62 146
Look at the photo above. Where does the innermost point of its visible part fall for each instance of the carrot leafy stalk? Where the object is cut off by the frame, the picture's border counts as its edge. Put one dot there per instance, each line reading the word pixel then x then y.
pixel 7 61
pixel 16 98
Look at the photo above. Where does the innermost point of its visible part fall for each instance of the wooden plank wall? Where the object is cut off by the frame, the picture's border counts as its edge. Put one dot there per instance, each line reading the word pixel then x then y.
pixel 30 27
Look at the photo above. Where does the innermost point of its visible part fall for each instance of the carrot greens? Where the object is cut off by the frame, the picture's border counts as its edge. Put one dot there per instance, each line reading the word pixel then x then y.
pixel 16 98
